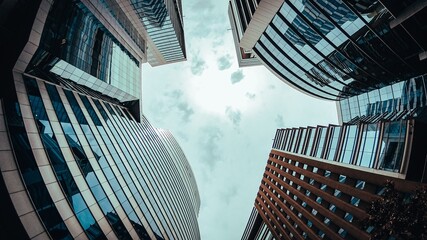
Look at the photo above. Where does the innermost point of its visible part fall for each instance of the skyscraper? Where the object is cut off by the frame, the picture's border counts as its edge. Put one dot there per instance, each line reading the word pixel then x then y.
pixel 320 181
pixel 78 158
pixel 334 49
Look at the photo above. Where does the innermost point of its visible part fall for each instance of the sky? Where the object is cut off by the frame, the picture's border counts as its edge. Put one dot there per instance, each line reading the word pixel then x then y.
pixel 224 117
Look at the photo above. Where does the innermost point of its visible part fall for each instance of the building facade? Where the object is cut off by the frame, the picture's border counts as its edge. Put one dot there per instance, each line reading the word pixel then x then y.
pixel 320 181
pixel 401 100
pixel 335 49
pixel 78 158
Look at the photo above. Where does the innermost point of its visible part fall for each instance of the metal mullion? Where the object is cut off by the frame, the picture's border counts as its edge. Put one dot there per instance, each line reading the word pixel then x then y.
pixel 133 139
pixel 119 176
pixel 121 138
pixel 155 152
pixel 160 182
pixel 367 24
pixel 62 98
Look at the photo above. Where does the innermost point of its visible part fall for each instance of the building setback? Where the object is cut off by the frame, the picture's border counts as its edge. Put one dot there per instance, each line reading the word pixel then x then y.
pixel 78 159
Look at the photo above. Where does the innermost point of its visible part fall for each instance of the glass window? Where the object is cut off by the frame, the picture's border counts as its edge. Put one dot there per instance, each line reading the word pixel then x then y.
pixel 350 138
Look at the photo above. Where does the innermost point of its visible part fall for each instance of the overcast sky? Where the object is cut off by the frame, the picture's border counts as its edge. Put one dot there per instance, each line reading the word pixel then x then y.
pixel 224 117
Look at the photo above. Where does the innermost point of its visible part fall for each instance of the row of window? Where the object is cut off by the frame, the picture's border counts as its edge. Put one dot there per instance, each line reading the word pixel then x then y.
pixel 300 200
pixel 378 145
pixel 396 98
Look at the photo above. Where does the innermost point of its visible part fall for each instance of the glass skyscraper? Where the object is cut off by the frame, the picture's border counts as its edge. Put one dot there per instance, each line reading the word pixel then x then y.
pixel 334 49
pixel 78 159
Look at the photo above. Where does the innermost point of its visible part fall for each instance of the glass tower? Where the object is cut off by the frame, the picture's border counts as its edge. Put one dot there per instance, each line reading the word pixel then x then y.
pixel 78 159
pixel 334 49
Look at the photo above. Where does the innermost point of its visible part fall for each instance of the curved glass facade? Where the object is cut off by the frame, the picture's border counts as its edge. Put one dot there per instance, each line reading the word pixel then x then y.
pixel 334 50
pixel 78 160
pixel 96 165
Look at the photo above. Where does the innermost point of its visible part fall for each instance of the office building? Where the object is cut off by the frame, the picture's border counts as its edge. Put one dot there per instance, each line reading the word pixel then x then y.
pixel 320 181
pixel 79 160
pixel 334 49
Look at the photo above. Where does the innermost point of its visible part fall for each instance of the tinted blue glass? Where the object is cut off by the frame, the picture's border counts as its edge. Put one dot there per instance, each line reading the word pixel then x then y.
pixel 86 219
pixel 114 185
pixel 105 205
pixel 30 173
pixel 55 155
pixel 73 34
pixel 91 179
pixel 127 152
pixel 392 147
pixel 90 110
pixel 78 203
pixel 85 166
pixel 75 107
pixel 321 142
pixel 98 192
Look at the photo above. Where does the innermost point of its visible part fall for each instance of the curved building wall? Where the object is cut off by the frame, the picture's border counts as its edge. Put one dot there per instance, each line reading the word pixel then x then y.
pixel 83 167
pixel 183 167
pixel 331 50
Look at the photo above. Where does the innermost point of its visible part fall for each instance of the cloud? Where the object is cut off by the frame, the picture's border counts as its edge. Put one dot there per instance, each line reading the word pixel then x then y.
pixel 229 194
pixel 198 65
pixel 237 76
pixel 174 94
pixel 210 141
pixel 251 96
pixel 182 136
pixel 279 121
pixel 209 25
pixel 235 116
pixel 224 62
pixel 184 110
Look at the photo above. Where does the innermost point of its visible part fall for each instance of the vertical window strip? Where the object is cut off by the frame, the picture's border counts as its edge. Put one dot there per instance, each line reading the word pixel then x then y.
pixel 85 166
pixel 128 136
pixel 106 166
pixel 121 154
pixel 41 199
pixel 58 163
pixel 132 129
